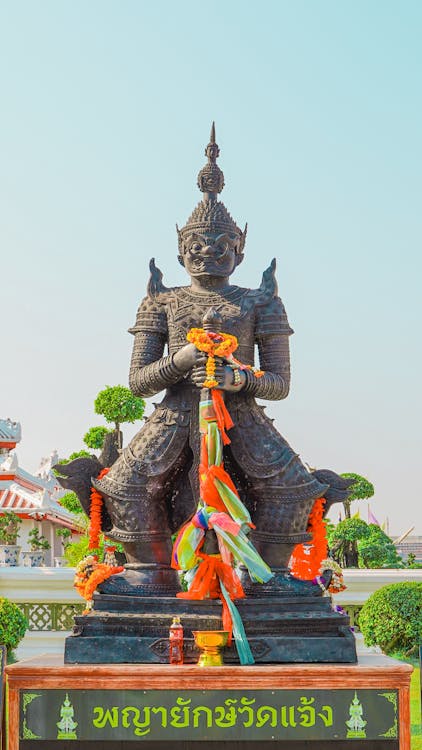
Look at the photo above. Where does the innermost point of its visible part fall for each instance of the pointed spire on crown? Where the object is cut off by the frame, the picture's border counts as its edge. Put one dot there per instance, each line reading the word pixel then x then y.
pixel 211 178
pixel 211 215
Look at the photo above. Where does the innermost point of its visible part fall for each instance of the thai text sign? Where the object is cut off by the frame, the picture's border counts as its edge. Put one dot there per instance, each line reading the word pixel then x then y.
pixel 208 715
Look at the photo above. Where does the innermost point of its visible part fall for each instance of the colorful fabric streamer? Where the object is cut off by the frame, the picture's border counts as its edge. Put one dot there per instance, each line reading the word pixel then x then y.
pixel 221 509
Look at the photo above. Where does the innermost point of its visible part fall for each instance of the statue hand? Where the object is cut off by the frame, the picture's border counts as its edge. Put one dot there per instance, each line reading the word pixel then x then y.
pixel 229 384
pixel 188 357
pixel 223 374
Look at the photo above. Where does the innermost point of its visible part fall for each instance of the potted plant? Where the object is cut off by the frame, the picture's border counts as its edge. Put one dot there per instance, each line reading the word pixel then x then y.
pixel 9 532
pixel 65 536
pixel 38 545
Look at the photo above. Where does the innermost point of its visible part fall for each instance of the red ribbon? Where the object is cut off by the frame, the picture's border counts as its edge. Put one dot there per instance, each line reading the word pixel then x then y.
pixel 224 420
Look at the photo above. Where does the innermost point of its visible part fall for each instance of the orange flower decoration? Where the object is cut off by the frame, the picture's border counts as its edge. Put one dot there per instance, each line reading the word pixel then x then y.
pixel 95 514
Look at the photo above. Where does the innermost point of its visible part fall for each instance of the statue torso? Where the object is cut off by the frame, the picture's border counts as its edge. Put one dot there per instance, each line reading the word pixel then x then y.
pixel 185 309
pixel 248 314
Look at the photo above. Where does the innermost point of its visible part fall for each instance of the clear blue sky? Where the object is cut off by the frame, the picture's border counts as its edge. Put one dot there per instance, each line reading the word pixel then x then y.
pixel 106 109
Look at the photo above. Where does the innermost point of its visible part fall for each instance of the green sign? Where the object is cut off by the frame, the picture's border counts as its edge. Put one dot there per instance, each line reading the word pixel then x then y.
pixel 208 715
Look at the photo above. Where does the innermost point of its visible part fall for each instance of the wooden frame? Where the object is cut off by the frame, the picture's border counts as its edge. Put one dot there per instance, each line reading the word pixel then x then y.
pixel 49 672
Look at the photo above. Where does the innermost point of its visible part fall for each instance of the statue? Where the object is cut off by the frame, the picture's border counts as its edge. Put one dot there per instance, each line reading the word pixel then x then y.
pixel 152 486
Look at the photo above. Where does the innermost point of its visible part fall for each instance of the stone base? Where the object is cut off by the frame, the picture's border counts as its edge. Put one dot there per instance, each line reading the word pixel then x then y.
pixel 123 629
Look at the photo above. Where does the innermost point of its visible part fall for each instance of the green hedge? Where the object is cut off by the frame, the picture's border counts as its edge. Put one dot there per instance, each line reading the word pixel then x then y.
pixel 13 624
pixel 392 618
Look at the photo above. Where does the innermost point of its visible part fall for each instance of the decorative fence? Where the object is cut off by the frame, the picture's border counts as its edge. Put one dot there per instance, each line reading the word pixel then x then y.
pixel 49 601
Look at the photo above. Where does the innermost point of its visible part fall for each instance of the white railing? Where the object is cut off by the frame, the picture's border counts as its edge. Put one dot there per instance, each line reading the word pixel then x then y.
pixel 361 583
pixel 49 600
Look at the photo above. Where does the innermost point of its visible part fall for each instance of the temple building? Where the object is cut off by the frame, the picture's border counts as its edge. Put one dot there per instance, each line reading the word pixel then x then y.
pixel 33 497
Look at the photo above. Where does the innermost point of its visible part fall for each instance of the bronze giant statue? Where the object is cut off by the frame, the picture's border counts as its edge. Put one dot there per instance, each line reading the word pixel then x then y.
pixel 153 488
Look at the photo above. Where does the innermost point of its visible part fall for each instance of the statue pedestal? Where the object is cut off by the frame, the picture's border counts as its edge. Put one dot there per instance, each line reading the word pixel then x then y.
pixel 280 630
pixel 363 706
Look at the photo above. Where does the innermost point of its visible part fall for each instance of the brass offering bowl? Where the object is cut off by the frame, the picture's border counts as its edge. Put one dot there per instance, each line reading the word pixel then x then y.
pixel 210 642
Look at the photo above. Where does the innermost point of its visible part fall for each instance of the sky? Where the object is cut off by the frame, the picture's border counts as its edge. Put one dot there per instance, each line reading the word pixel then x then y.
pixel 106 110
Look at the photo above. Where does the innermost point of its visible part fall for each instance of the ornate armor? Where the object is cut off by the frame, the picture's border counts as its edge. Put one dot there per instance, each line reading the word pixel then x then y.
pixel 275 485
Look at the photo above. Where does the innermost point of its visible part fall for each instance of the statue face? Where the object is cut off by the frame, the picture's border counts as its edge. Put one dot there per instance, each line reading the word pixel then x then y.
pixel 210 254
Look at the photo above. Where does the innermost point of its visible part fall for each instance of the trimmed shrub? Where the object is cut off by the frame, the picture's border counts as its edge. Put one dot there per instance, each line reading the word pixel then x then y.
pixel 377 550
pixel 13 624
pixel 392 618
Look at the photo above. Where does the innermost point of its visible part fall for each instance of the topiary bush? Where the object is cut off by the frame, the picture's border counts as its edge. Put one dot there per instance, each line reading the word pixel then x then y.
pixel 343 540
pixel 392 618
pixel 376 550
pixel 13 624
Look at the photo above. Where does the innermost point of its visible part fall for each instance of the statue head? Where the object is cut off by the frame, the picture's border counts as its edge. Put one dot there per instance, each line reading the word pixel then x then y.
pixel 211 243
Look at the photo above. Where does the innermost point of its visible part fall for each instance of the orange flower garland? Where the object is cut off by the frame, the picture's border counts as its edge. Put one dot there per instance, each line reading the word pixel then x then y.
pixel 95 514
pixel 306 559
pixel 89 572
pixel 100 574
pixel 215 345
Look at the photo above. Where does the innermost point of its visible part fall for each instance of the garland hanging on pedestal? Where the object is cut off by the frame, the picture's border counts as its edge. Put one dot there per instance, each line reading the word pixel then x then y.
pixel 306 559
pixel 90 572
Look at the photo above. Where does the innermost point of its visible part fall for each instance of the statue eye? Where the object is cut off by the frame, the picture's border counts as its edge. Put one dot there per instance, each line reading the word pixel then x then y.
pixel 196 247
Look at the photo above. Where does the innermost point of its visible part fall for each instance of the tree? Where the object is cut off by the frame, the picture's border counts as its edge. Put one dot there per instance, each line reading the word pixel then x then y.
pixel 65 535
pixel 9 528
pixel 377 550
pixel 117 404
pixel 76 454
pixel 94 438
pixel 361 489
pixel 343 541
pixel 74 552
pixel 357 544
pixel 411 562
pixel 70 501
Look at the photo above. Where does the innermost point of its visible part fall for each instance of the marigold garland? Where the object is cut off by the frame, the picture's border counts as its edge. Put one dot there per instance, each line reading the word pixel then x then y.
pixel 215 345
pixel 90 572
pixel 95 514
pixel 100 574
pixel 306 559
pixel 218 345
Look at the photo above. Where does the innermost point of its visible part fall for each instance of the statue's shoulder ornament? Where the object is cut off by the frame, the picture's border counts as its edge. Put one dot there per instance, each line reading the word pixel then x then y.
pixel 269 310
pixel 151 315
pixel 268 288
pixel 156 290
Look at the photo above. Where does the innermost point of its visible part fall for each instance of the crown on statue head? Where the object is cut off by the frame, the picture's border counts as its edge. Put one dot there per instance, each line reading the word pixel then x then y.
pixel 211 215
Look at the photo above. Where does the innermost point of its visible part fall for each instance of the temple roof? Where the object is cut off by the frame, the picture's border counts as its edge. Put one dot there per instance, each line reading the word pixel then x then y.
pixel 10 432
pixel 29 495
pixel 30 498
